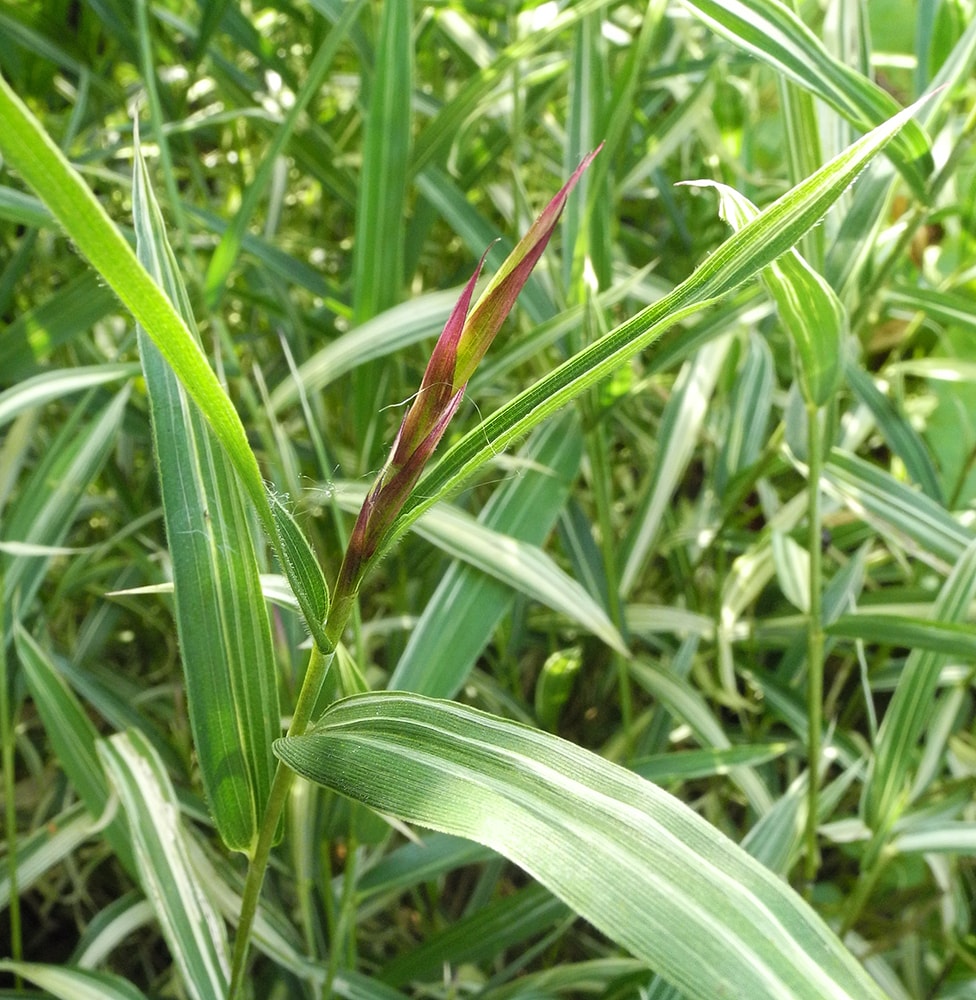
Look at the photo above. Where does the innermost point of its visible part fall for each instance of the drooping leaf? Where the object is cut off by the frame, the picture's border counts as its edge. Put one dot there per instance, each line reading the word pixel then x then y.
pixel 638 864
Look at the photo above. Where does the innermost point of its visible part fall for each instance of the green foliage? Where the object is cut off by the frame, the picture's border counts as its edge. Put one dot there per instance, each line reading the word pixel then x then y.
pixel 715 532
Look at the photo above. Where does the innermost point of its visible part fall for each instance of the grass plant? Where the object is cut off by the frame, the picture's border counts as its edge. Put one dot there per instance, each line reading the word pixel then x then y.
pixel 403 597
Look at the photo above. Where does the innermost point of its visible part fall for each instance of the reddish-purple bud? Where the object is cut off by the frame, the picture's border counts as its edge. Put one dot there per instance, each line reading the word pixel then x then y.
pixel 461 345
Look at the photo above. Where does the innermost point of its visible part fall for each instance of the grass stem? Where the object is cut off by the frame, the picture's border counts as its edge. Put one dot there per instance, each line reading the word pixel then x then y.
pixel 318 667
pixel 815 639
pixel 10 807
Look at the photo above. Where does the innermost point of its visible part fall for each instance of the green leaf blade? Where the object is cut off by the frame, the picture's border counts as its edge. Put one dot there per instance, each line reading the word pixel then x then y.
pixel 222 620
pixel 189 923
pixel 636 863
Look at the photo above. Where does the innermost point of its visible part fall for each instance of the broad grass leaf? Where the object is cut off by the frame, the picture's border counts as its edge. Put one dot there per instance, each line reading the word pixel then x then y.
pixel 639 865
pixel 380 211
pixel 221 616
pixel 378 267
pixel 955 639
pixel 691 765
pixel 303 572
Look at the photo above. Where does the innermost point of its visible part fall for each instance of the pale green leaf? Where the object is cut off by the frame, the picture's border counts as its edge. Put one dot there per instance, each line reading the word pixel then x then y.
pixel 188 921
pixel 46 504
pixel 67 983
pixel 636 863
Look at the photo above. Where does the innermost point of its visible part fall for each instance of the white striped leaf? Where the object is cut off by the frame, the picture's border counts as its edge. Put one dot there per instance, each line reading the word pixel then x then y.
pixel 770 31
pixel 41 389
pixel 886 790
pixel 188 921
pixel 904 515
pixel 635 862
pixel 221 616
pixel 66 983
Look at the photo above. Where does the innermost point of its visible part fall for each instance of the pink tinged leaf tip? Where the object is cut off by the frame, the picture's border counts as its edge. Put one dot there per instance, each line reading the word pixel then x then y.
pixel 499 297
pixel 461 345
pixel 388 493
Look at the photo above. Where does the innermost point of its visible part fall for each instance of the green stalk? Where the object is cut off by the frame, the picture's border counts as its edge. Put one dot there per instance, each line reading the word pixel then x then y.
pixel 597 450
pixel 815 639
pixel 319 662
pixel 343 939
pixel 10 807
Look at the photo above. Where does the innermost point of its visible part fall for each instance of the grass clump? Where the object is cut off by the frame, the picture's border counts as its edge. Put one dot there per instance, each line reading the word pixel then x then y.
pixel 644 665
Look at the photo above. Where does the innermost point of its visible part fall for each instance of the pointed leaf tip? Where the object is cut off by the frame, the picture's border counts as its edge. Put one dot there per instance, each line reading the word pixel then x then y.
pixel 497 300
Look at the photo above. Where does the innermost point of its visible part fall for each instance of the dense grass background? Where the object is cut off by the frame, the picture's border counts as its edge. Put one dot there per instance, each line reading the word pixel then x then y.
pixel 329 174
